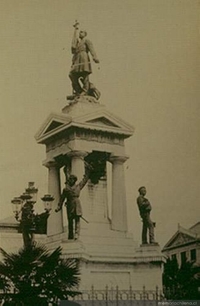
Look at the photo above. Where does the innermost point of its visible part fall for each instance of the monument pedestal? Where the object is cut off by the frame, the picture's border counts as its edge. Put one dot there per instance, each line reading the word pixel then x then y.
pixel 84 131
pixel 148 266
pixel 112 259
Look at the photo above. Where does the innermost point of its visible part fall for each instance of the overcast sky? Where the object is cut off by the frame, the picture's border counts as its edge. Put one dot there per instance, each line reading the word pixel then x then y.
pixel 149 75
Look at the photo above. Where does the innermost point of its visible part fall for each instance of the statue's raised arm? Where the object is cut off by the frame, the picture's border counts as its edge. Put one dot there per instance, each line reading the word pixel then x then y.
pixel 75 37
pixel 71 194
pixel 81 67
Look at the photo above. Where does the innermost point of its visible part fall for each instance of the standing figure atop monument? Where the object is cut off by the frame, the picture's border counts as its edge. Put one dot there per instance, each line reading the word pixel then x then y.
pixel 81 65
pixel 71 193
pixel 144 209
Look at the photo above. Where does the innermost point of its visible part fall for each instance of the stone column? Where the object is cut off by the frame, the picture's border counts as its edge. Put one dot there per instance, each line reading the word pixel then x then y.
pixel 78 169
pixel 77 163
pixel 119 209
pixel 55 220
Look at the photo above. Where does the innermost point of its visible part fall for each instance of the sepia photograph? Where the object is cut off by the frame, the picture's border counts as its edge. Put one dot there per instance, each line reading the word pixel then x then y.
pixel 100 152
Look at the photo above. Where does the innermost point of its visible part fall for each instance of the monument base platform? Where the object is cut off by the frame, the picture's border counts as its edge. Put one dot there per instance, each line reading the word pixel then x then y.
pixel 112 258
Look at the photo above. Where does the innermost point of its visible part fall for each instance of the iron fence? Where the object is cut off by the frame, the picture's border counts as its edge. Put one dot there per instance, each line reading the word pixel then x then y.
pixel 118 297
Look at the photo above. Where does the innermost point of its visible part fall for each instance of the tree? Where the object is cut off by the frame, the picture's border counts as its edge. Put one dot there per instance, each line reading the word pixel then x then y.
pixel 181 283
pixel 170 273
pixel 36 276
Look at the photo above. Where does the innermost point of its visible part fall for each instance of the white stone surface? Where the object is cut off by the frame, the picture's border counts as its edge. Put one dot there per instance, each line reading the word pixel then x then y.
pixel 108 255
pixel 55 220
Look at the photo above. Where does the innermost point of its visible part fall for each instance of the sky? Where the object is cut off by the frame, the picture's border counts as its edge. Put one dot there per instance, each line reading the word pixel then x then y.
pixel 149 73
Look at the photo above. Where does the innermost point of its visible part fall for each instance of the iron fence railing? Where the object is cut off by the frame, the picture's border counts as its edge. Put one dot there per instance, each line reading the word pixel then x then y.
pixel 117 297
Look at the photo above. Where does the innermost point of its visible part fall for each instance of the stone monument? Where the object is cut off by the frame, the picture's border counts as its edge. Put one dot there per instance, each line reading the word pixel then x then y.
pixel 85 132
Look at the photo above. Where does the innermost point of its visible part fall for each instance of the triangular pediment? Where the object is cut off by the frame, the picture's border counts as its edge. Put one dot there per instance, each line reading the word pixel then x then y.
pixel 105 119
pixel 99 120
pixel 52 124
pixel 179 239
pixel 102 121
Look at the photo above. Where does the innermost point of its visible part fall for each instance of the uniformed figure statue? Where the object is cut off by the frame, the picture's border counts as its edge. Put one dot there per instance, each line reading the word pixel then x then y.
pixel 81 64
pixel 71 193
pixel 144 209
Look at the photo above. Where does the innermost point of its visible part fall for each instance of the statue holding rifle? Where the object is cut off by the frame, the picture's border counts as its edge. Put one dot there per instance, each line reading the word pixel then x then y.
pixel 81 64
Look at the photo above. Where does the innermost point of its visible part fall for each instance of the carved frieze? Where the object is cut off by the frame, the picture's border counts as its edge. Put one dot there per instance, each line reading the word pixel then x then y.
pixel 88 135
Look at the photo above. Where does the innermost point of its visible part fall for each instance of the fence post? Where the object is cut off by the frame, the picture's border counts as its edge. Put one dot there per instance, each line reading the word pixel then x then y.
pixel 106 295
pixel 131 295
pixel 157 293
pixel 144 293
pixel 92 295
pixel 117 295
pixel 111 293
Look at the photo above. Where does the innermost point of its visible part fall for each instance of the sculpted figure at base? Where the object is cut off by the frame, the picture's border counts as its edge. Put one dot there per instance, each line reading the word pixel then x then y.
pixel 145 209
pixel 71 194
pixel 81 65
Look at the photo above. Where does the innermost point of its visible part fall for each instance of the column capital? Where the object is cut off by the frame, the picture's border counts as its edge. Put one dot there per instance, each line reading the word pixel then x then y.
pixel 77 154
pixel 118 159
pixel 50 164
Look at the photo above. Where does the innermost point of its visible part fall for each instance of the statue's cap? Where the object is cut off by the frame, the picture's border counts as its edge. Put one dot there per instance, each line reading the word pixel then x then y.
pixel 139 189
pixel 72 176
pixel 84 31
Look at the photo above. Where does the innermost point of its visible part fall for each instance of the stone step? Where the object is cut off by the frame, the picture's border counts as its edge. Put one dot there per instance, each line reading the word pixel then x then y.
pixel 108 241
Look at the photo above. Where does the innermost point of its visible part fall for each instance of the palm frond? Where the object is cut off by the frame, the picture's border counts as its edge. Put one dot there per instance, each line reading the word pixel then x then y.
pixel 36 271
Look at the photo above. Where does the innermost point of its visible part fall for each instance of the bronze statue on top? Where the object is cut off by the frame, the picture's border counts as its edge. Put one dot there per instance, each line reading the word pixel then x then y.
pixel 81 64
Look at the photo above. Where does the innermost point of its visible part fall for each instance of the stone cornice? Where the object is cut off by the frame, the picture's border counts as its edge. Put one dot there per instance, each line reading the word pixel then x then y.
pixel 81 134
pixel 87 127
pixel 113 258
pixel 97 120
pixel 9 227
